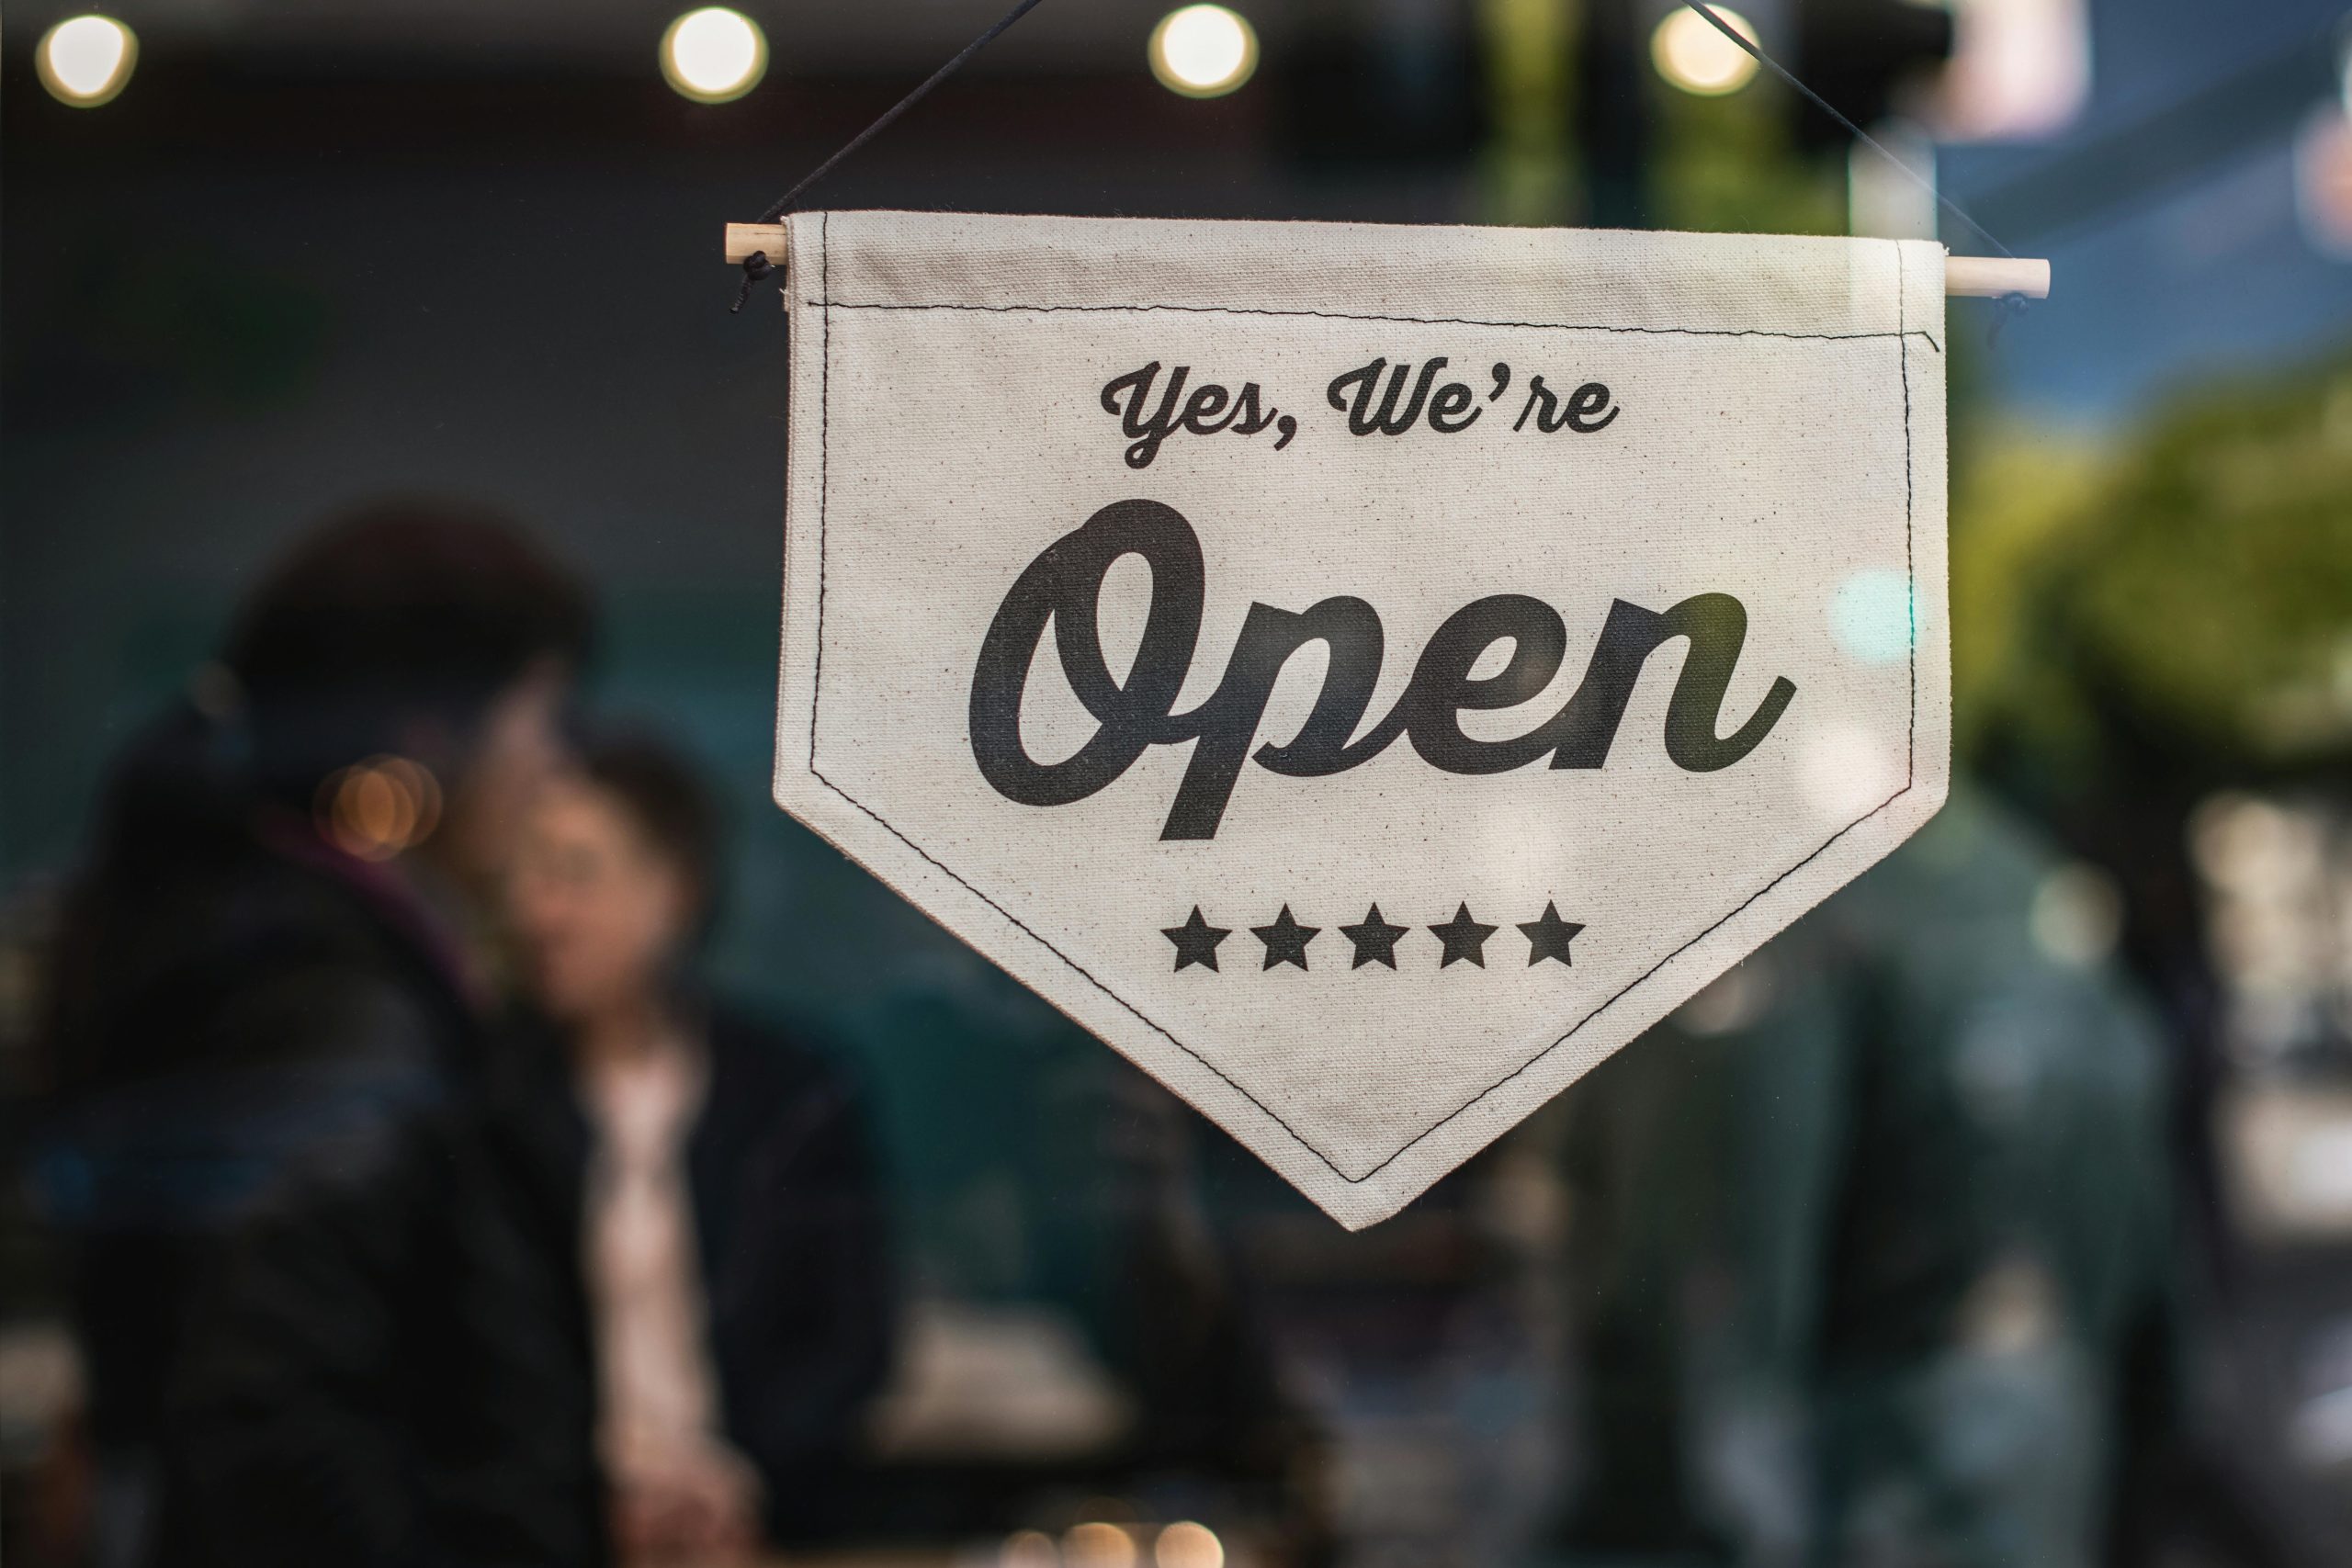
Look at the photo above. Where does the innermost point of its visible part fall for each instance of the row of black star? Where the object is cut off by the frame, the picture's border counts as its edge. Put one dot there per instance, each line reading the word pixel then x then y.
pixel 1376 939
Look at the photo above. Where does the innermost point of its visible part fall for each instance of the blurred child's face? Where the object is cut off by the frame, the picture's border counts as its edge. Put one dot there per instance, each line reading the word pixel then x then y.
pixel 599 911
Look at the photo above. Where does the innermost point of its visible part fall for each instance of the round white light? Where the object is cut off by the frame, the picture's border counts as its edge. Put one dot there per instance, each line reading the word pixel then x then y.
pixel 1204 51
pixel 1690 53
pixel 714 54
pixel 1187 1545
pixel 84 61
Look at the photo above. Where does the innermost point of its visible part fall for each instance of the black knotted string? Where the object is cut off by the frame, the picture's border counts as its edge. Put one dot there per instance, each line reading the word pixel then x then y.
pixel 756 266
pixel 2006 308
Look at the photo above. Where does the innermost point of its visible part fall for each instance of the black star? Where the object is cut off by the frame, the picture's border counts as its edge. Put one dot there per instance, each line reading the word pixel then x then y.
pixel 1286 940
pixel 1196 940
pixel 1464 937
pixel 1548 937
pixel 1375 939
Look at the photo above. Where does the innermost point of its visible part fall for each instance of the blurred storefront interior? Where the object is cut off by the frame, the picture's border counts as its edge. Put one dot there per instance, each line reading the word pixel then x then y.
pixel 2002 1213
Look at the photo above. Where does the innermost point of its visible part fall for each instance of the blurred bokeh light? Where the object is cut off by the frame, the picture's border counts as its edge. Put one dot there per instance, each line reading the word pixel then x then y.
pixel 85 61
pixel 714 55
pixel 1692 54
pixel 1204 51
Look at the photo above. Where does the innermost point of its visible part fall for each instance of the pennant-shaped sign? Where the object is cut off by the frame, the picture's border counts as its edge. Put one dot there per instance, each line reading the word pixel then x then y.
pixel 1364 674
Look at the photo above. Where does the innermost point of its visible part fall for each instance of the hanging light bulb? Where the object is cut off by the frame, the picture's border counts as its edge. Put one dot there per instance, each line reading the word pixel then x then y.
pixel 714 55
pixel 1690 53
pixel 1204 51
pixel 84 61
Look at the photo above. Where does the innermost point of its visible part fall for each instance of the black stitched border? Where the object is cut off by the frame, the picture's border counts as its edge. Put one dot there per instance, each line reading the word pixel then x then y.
pixel 1910 562
pixel 824 456
pixel 824 397
pixel 830 304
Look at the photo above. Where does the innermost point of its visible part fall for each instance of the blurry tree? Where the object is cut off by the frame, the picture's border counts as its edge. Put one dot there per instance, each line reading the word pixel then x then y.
pixel 2195 590
pixel 1731 165
pixel 1527 172
pixel 2020 496
pixel 2216 584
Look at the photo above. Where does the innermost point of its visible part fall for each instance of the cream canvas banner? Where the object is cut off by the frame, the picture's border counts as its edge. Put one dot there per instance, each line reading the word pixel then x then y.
pixel 1364 674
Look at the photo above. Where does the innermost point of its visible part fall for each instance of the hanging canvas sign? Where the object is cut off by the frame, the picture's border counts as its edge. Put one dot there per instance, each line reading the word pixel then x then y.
pixel 1366 675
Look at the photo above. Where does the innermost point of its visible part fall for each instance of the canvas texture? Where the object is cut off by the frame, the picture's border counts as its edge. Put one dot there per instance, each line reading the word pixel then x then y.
pixel 1364 674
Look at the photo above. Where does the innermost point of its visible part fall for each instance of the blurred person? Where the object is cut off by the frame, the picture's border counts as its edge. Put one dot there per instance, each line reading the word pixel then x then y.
pixel 733 1248
pixel 624 1306
pixel 258 968
pixel 1872 1253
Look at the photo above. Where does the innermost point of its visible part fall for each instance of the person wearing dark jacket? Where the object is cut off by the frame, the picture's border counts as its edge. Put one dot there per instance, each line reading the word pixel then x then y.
pixel 265 962
pixel 626 1307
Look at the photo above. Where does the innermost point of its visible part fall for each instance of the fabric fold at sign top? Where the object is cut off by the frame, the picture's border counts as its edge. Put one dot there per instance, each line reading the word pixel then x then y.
pixel 1364 674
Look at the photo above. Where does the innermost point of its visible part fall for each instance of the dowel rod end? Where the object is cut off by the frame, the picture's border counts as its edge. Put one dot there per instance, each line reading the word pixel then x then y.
pixel 742 239
pixel 1996 277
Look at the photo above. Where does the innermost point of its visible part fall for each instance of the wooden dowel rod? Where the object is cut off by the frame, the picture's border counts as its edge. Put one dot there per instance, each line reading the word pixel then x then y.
pixel 1996 277
pixel 1974 277
pixel 742 239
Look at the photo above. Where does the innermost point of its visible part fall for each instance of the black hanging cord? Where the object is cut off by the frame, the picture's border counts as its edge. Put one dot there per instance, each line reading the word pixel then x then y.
pixel 756 266
pixel 1855 131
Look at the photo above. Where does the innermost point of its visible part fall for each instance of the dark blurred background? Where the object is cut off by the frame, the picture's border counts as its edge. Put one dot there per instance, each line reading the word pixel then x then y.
pixel 315 252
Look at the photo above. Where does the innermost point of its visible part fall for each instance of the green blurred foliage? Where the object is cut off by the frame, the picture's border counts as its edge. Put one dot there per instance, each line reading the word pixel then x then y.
pixel 1527 172
pixel 2193 582
pixel 1729 165
pixel 2019 497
